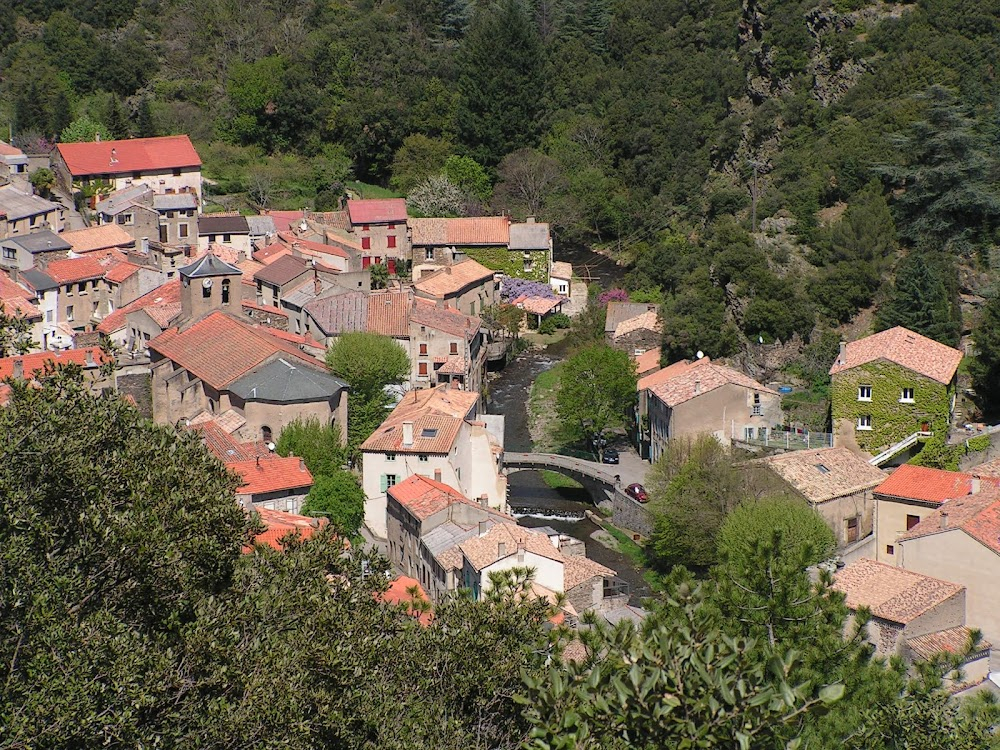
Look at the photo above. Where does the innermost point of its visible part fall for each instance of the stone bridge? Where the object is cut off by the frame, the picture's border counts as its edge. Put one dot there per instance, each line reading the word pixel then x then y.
pixel 591 474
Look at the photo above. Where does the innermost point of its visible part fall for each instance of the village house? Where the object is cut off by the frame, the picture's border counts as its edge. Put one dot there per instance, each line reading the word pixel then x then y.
pixel 437 243
pixel 380 226
pixel 273 482
pixel 131 210
pixel 467 286
pixel 280 526
pixel 13 163
pixel 839 484
pixel 262 230
pixel 702 397
pixel 230 229
pixel 909 495
pixel 18 300
pixel 445 346
pixel 904 605
pixel 891 388
pixel 383 312
pixel 132 326
pixel 22 212
pixel 407 593
pixel 960 542
pixel 437 432
pixel 325 283
pixel 30 366
pixel 176 213
pixel 212 361
pixel 633 327
pixel 167 164
pixel 531 241
pixel 90 287
pixel 648 362
pixel 34 250
pixel 561 278
pixel 95 239
pixel 55 333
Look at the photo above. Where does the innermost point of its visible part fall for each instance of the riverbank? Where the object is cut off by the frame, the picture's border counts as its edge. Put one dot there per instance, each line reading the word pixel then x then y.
pixel 542 419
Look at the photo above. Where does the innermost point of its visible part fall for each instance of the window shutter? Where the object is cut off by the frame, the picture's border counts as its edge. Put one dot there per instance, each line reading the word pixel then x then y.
pixel 383 483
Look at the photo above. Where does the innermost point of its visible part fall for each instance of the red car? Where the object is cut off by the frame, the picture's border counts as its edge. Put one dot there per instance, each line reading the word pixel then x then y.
pixel 637 492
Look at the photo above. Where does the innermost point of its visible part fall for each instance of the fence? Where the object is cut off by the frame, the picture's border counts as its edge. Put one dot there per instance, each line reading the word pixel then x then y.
pixel 789 441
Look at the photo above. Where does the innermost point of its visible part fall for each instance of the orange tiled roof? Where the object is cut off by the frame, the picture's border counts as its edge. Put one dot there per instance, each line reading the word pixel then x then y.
pixel 220 349
pixel 483 551
pixel 84 268
pixel 701 376
pixel 423 496
pixel 822 474
pixel 647 363
pixel 271 253
pixel 648 320
pixel 279 524
pixel 19 305
pixel 97 238
pixel 538 305
pixel 472 230
pixel 453 279
pixel 405 591
pixel 290 240
pixel 7 150
pixel 121 271
pixel 578 569
pixel 35 363
pixel 977 515
pixel 907 349
pixel 387 313
pixel 272 474
pixel 950 641
pixel 168 294
pixel 925 484
pixel 377 211
pixel 437 415
pixel 225 447
pixel 10 288
pixel 892 593
pixel 448 319
pixel 133 155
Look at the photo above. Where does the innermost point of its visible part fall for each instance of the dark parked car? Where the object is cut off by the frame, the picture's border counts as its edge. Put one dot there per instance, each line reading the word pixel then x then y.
pixel 610 456
pixel 637 492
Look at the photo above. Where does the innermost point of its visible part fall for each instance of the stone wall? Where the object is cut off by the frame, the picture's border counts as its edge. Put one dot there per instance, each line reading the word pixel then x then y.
pixel 140 387
pixel 631 515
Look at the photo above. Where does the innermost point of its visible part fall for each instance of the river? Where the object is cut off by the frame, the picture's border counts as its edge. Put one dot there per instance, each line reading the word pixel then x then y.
pixel 531 500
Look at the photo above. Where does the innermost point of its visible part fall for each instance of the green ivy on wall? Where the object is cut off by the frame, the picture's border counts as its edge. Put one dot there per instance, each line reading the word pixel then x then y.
pixel 891 420
pixel 511 262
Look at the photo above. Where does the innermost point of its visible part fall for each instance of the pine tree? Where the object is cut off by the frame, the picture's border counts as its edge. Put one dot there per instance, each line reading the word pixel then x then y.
pixel 144 127
pixel 116 120
pixel 920 300
pixel 986 365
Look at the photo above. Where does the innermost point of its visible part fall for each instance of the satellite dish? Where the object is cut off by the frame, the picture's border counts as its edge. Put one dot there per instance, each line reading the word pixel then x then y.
pixel 271 447
pixel 700 354
pixel 207 283
pixel 760 339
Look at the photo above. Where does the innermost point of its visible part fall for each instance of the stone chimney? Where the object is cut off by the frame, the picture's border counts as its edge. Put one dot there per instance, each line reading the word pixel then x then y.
pixel 302 465
pixel 842 357
pixel 144 244
pixel 408 434
pixel 944 520
pixel 484 500
pixel 437 475
pixel 501 549
pixel 520 553
pixel 89 357
pixel 697 386
pixel 974 485
pixel 317 285
pixel 483 527
pixel 19 368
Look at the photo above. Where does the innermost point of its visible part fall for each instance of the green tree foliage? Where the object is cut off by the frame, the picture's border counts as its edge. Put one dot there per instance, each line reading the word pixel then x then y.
pixel 985 367
pixel 15 333
pixel 339 498
pixel 469 175
pixel 923 298
pixel 419 157
pixel 500 75
pixel 596 391
pixel 319 445
pixel 82 129
pixel 368 362
pixel 43 180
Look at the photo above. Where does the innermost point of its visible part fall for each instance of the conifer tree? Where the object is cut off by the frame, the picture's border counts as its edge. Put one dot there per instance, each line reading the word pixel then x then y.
pixel 920 300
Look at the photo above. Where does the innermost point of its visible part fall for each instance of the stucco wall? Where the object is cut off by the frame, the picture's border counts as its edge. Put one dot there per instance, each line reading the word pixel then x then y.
pixel 548 572
pixel 838 510
pixel 890 522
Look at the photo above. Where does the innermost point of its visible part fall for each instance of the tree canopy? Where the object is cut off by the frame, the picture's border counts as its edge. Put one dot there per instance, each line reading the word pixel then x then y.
pixel 596 390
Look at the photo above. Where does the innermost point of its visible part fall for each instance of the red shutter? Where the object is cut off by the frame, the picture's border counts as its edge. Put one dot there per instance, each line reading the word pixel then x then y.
pixel 422 369
pixel 392 265
pixel 365 261
pixel 366 243
pixel 392 240
pixel 423 350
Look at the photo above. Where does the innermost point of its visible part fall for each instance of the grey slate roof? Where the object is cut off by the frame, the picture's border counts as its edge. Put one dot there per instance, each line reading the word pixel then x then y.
pixel 119 200
pixel 619 312
pixel 340 313
pixel 18 205
pixel 209 265
pixel 37 280
pixel 531 236
pixel 209 224
pixel 175 201
pixel 39 242
pixel 286 382
pixel 261 225
pixel 446 536
pixel 284 269
pixel 306 293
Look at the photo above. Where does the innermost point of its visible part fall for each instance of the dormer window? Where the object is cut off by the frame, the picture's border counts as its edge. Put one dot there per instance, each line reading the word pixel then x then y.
pixel 864 393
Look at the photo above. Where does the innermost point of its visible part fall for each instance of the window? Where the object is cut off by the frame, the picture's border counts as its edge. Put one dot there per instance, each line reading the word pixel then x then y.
pixel 69 289
pixel 163 233
pixel 423 350
pixel 748 433
pixel 852 530
pixel 366 243
pixel 82 287
pixel 422 369
pixel 364 228
pixel 265 433
pixel 391 226
pixel 170 214
pixel 391 240
pixel 422 458
pixel 911 521
pixel 429 254
pixel 69 312
pixel 865 422
pixel 890 550
pixel 211 238
pixel 906 396
pixel 225 292
pixel 822 469
pixel 387 481
pixel 137 175
pixel 453 347
pixel 227 238
pixel 864 393
pixel 182 230
pixel 127 219
pixel 48 316
pixel 206 291
pixel 429 432
pixel 177 173
pixel 9 253
pixel 390 456
pixel 32 220
pixel 93 309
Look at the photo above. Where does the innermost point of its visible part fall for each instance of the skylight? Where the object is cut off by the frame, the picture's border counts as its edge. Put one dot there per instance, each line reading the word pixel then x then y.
pixel 822 469
pixel 429 432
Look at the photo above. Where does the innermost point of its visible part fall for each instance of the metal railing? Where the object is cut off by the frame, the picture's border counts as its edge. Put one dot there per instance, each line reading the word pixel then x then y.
pixel 790 441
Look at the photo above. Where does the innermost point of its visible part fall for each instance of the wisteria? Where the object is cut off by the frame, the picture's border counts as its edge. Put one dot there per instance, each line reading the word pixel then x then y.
pixel 511 288
pixel 613 295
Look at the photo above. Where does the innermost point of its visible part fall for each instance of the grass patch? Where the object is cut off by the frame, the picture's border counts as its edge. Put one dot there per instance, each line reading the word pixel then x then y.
pixel 557 481
pixel 547 381
pixel 364 190
pixel 541 409
pixel 626 545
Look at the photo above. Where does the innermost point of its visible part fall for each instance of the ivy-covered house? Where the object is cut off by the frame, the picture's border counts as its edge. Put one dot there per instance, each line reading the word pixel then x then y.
pixel 889 386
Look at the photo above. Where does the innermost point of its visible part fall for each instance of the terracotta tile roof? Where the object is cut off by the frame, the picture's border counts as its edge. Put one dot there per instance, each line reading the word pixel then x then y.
pixel 269 309
pixel 423 496
pixel 7 150
pixel 35 363
pixel 340 313
pixel 647 363
pixel 701 376
pixel 271 474
pixel 271 253
pixel 664 374
pixel 824 473
pixel 483 551
pixel 19 305
pixel 98 238
pixel 578 569
pixel 472 230
pixel 164 296
pixel 133 155
pixel 538 305
pixel 428 231
pixel 121 271
pixel 225 446
pixel 447 319
pixel 84 268
pixel 649 321
pixel 279 524
pixel 437 415
pixel 618 312
pixel 10 288
pixel 561 270
pixel 163 314
pixel 249 267
pixel 907 349
pixel 950 641
pixel 988 469
pixel 892 593
pixel 220 349
pixel 977 515
pixel 229 420
pixel 308 247
pixel 404 592
pixel 454 365
pixel 453 279
pixel 925 484
pixel 387 313
pixel 377 211
pixel 284 220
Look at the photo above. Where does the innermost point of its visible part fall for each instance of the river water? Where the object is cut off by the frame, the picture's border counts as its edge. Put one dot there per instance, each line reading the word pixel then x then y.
pixel 531 500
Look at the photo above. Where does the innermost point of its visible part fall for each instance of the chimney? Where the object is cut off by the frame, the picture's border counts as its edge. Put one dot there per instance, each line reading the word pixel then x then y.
pixel 501 549
pixel 944 520
pixel 258 462
pixel 482 527
pixel 697 386
pixel 484 500
pixel 317 285
pixel 974 485
pixel 842 357
pixel 302 465
pixel 89 357
pixel 19 368
pixel 144 244
pixel 407 433
pixel 530 220
pixel 437 475
pixel 520 553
